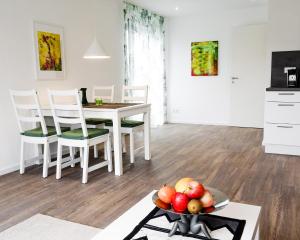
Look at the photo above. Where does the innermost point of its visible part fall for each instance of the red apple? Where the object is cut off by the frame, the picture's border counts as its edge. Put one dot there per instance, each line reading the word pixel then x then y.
pixel 180 202
pixel 195 190
pixel 166 193
pixel 182 185
pixel 207 199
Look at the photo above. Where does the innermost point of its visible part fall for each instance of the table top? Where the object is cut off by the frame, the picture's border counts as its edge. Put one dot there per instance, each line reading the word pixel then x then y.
pixel 122 226
pixel 107 107
pixel 110 105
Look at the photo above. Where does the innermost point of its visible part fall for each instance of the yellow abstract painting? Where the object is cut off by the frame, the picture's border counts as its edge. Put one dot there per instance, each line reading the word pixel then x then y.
pixel 205 58
pixel 49 51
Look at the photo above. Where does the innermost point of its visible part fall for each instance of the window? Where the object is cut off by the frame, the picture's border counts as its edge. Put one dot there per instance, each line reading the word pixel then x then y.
pixel 144 51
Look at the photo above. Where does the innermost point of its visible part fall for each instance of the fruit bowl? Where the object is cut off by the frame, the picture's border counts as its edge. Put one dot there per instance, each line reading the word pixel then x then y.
pixel 189 199
pixel 220 201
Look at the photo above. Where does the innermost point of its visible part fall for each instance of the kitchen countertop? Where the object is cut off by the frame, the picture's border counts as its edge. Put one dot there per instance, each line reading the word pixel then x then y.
pixel 269 89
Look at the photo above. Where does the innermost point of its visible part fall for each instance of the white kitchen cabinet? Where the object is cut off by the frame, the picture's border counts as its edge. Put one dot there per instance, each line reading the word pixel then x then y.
pixel 283 96
pixel 282 112
pixel 282 122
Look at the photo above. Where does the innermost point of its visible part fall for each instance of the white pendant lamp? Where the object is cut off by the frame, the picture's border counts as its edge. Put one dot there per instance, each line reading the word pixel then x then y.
pixel 95 51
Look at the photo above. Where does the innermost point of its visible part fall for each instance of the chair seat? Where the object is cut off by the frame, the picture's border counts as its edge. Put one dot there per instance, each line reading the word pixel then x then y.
pixel 126 123
pixel 38 132
pixel 96 121
pixel 77 134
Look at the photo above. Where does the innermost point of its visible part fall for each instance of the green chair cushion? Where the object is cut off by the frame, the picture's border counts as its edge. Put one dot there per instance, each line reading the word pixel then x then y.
pixel 108 122
pixel 126 123
pixel 96 121
pixel 77 134
pixel 38 132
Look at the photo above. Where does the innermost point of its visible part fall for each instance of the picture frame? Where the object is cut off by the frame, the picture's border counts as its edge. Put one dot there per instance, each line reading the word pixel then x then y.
pixel 205 58
pixel 49 51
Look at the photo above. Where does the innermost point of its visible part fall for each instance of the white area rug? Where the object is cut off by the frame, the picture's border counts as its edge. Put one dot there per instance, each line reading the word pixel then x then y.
pixel 42 227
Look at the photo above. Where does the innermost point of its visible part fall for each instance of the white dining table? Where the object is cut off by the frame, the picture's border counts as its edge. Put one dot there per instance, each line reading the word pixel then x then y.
pixel 115 113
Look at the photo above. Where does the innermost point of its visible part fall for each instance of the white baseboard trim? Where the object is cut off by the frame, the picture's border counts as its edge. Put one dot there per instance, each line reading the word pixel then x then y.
pixel 9 169
pixel 198 123
pixel 241 126
pixel 212 124
pixel 15 167
pixel 29 162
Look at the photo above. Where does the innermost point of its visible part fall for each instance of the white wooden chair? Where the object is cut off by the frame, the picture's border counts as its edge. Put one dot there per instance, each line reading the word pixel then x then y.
pixel 131 126
pixel 28 112
pixel 106 93
pixel 83 137
pixel 129 96
pixel 106 98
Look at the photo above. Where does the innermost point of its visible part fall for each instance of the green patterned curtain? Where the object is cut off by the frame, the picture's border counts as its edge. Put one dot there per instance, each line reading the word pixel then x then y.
pixel 144 51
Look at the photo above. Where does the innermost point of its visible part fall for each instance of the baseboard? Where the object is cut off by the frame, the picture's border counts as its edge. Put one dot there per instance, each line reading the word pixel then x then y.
pixel 213 124
pixel 199 123
pixel 240 126
pixel 9 169
pixel 15 167
pixel 29 162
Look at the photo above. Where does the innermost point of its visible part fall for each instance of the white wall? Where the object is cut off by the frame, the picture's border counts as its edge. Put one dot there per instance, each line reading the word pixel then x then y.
pixel 81 21
pixel 283 28
pixel 204 100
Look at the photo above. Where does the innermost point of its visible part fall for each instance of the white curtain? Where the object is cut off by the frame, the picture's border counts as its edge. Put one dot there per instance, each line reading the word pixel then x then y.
pixel 144 51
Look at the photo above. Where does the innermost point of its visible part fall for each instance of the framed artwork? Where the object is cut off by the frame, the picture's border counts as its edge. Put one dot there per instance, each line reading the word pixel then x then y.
pixel 205 57
pixel 49 51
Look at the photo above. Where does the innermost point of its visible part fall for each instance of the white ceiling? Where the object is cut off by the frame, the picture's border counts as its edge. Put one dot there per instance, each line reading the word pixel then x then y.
pixel 192 7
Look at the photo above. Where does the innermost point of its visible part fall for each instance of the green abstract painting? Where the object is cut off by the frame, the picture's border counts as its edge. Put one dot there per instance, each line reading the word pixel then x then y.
pixel 205 58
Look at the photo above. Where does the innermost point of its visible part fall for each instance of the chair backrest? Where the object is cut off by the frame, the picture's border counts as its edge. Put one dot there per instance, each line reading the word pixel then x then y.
pixel 28 109
pixel 135 94
pixel 102 89
pixel 67 113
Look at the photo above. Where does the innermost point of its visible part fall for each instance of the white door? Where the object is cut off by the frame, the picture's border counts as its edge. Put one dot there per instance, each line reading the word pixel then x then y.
pixel 248 76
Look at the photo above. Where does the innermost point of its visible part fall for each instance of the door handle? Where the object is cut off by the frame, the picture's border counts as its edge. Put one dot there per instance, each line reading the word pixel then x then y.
pixel 233 79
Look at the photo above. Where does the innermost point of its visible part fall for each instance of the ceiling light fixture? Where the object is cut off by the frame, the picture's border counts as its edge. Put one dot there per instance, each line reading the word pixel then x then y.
pixel 176 8
pixel 95 51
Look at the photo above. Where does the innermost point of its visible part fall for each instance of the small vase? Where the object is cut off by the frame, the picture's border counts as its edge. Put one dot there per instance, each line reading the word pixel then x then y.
pixel 84 100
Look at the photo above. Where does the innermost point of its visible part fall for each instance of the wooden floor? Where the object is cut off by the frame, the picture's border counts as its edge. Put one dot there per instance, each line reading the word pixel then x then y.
pixel 228 158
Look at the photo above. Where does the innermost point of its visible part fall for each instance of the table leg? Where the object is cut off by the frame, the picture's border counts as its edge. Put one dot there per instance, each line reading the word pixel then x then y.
pixel 147 135
pixel 117 145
